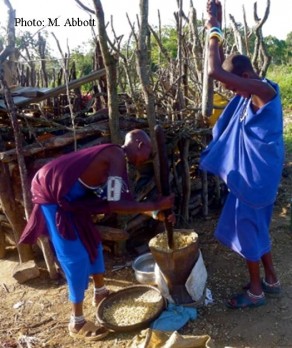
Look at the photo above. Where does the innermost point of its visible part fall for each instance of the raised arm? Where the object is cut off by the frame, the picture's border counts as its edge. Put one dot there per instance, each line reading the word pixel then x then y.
pixel 245 81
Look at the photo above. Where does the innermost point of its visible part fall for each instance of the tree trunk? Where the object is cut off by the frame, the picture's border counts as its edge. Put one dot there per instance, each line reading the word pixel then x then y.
pixel 42 53
pixel 143 68
pixel 110 63
pixel 186 181
pixel 12 212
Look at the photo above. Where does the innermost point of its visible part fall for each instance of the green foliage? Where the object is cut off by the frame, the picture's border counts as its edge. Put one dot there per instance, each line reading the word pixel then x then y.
pixel 280 50
pixel 277 49
pixel 27 41
pixel 84 63
pixel 1 42
pixel 288 137
pixel 283 76
pixel 169 42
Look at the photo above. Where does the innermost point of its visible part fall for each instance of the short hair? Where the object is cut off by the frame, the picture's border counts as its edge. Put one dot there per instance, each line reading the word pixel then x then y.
pixel 237 64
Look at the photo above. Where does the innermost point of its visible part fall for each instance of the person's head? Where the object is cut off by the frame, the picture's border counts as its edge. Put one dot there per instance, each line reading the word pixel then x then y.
pixel 239 65
pixel 137 146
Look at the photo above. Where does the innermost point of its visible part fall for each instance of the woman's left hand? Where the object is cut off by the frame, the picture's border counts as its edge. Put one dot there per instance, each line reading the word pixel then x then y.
pixel 170 218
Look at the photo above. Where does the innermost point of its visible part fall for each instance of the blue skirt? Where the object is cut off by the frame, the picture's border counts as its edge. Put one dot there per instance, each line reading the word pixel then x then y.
pixel 71 254
pixel 244 229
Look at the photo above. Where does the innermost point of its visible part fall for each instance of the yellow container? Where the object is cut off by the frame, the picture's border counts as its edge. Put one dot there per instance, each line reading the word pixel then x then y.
pixel 219 104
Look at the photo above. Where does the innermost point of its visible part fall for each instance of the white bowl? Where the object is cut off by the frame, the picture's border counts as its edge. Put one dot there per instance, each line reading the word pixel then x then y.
pixel 144 266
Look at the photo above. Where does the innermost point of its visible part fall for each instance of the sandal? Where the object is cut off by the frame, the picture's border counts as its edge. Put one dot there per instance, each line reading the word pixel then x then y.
pixel 97 298
pixel 89 332
pixel 245 300
pixel 273 290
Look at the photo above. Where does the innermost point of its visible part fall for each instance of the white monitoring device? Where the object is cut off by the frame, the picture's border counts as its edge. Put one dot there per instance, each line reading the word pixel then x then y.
pixel 114 188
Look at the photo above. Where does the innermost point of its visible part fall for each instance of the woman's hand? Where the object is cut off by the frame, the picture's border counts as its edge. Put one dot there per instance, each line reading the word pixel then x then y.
pixel 219 12
pixel 161 216
pixel 165 202
pixel 214 10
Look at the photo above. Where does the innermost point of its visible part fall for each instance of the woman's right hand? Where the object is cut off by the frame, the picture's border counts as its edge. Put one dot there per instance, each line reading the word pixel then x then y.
pixel 165 202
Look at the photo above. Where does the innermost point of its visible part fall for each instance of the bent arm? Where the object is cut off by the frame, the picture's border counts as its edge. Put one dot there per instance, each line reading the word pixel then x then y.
pixel 234 82
pixel 132 206
pixel 243 85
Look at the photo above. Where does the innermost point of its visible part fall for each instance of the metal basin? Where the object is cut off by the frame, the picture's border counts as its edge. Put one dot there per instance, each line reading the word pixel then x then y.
pixel 144 266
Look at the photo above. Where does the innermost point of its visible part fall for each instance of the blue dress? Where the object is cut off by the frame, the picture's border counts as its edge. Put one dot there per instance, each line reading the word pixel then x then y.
pixel 247 152
pixel 72 255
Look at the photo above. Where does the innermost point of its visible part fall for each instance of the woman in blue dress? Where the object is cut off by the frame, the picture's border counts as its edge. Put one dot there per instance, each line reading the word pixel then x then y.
pixel 66 192
pixel 247 152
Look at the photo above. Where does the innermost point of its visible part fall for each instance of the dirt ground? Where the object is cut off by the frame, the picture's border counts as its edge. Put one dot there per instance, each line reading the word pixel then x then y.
pixel 35 314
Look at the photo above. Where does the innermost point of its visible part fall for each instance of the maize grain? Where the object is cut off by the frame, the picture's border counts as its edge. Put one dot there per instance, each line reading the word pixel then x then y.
pixel 180 240
pixel 131 311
